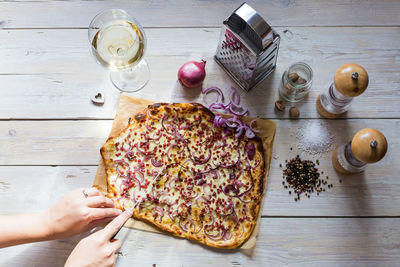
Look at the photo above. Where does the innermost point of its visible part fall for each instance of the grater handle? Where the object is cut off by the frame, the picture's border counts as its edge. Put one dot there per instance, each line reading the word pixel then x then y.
pixel 248 21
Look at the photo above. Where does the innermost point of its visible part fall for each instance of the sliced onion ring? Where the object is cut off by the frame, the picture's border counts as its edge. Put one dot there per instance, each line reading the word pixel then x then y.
pixel 156 163
pixel 216 89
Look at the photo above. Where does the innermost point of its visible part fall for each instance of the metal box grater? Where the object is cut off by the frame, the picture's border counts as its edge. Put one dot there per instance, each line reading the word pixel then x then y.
pixel 247 48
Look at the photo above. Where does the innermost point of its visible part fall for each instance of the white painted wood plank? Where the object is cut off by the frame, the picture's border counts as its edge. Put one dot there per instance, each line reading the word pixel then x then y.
pixel 53 74
pixel 294 241
pixel 35 188
pixel 182 13
pixel 375 192
pixel 52 142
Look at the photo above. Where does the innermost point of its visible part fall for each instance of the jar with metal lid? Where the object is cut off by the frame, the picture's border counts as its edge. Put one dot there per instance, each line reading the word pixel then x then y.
pixel 350 80
pixel 367 146
pixel 296 82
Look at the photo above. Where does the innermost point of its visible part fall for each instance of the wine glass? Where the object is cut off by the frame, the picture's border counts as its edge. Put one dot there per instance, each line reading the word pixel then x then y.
pixel 118 42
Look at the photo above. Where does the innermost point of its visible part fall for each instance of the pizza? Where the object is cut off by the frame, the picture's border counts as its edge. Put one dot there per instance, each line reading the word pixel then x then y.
pixel 179 172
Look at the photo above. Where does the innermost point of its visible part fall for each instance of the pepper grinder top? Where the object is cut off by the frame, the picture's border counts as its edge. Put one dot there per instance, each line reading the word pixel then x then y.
pixel 351 80
pixel 369 145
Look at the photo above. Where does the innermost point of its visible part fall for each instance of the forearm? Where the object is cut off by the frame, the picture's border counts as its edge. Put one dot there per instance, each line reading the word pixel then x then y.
pixel 23 228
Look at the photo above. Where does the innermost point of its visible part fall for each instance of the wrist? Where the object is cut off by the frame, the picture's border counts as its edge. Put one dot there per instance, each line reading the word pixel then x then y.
pixel 46 225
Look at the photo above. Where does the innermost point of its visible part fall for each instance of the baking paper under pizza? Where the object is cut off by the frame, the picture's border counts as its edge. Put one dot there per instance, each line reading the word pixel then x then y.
pixel 178 171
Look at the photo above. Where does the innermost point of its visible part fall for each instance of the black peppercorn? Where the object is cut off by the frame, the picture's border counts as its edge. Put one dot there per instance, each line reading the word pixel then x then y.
pixel 303 177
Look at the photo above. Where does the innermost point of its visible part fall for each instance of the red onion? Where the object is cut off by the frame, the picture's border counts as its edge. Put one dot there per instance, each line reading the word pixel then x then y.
pixel 234 96
pixel 176 134
pixel 198 231
pixel 200 199
pixel 251 125
pixel 192 73
pixel 156 163
pixel 215 237
pixel 140 150
pixel 229 188
pixel 249 133
pixel 140 174
pixel 163 123
pixel 250 151
pixel 179 152
pixel 215 174
pixel 129 155
pixel 183 227
pixel 159 210
pixel 231 208
pixel 244 201
pixel 238 183
pixel 156 136
pixel 126 168
pixel 227 235
pixel 251 186
pixel 133 197
pixel 171 216
pixel 190 196
pixel 233 108
pixel 204 161
pixel 138 181
pixel 216 89
pixel 201 182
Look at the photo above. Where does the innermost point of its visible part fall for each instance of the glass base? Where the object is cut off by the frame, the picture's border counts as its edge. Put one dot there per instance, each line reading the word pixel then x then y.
pixel 292 98
pixel 133 79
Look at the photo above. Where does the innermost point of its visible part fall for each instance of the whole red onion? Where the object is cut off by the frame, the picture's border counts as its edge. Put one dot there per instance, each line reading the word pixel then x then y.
pixel 192 73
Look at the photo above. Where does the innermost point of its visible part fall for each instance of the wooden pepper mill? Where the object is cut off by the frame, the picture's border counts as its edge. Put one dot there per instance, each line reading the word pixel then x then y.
pixel 350 80
pixel 367 146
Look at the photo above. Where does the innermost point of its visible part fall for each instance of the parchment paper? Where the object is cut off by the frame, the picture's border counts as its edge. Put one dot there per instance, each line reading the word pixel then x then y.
pixel 128 106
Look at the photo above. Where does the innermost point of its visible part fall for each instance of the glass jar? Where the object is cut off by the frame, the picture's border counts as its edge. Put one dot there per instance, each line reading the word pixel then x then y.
pixel 296 82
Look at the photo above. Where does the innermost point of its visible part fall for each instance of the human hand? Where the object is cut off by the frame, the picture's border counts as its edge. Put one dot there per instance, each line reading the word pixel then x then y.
pixel 76 213
pixel 99 249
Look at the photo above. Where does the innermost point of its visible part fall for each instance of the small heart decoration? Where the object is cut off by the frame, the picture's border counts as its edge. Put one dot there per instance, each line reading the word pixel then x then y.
pixel 98 98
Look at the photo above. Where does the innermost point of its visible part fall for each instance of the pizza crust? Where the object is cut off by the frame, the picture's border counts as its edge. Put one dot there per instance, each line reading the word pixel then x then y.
pixel 154 114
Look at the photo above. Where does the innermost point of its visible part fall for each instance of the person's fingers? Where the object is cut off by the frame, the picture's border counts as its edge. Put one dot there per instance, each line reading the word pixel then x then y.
pixel 92 191
pixel 113 259
pixel 99 201
pixel 101 213
pixel 113 227
pixel 99 222
pixel 115 244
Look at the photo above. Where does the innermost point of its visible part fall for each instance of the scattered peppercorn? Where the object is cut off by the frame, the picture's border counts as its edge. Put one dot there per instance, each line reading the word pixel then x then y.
pixel 303 177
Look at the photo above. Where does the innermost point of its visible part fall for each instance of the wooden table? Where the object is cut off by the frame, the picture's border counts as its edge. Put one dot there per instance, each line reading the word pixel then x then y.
pixel 51 132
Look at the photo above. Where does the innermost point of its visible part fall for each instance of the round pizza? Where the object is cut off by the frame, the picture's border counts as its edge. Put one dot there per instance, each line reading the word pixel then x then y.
pixel 175 169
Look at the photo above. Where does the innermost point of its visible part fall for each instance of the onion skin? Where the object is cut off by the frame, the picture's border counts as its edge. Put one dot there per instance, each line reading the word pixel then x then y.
pixel 192 73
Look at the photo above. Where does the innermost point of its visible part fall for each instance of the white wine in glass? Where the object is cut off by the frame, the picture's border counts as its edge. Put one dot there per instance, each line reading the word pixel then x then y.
pixel 118 42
